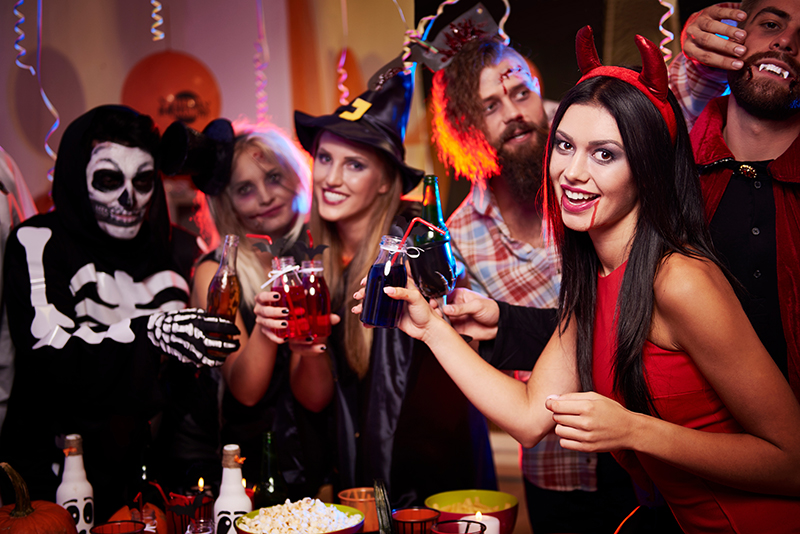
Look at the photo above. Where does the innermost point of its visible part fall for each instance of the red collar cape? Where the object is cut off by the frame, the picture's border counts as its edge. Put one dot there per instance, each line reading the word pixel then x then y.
pixel 709 148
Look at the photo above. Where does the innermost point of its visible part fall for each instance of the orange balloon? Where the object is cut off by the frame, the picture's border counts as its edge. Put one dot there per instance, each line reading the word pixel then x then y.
pixel 172 86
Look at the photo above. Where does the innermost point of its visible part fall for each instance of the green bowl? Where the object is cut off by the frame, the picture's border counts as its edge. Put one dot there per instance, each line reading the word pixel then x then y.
pixel 507 517
pixel 342 508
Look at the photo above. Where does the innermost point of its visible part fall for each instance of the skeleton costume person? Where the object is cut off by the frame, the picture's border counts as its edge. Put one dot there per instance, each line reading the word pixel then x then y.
pixel 96 291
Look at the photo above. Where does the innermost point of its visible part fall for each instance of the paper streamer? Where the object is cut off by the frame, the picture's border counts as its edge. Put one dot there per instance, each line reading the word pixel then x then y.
pixel 419 34
pixel 340 70
pixel 21 52
pixel 260 63
pixel 46 100
pixel 501 27
pixel 159 20
pixel 669 36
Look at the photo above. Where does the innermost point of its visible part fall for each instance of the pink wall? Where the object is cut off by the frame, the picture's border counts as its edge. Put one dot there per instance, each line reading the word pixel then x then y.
pixel 89 46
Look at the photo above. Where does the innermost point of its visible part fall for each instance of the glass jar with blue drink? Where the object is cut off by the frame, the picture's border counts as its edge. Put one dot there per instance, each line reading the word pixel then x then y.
pixel 389 270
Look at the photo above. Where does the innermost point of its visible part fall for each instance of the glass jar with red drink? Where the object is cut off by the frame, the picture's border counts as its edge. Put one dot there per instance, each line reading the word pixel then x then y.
pixel 318 298
pixel 287 283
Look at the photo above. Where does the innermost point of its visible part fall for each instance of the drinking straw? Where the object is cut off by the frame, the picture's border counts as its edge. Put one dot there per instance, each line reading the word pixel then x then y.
pixel 259 236
pixel 411 225
pixel 310 241
pixel 161 491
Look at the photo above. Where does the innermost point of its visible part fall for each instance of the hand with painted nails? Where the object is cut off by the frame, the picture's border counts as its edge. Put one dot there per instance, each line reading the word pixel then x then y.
pixel 712 42
pixel 312 346
pixel 269 317
pixel 419 320
pixel 590 422
pixel 272 319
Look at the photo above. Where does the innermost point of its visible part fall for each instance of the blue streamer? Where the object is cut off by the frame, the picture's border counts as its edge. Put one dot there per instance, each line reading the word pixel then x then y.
pixel 159 20
pixel 21 52
pixel 41 91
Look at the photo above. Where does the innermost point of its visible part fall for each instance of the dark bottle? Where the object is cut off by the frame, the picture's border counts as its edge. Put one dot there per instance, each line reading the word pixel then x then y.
pixel 224 292
pixel 318 298
pixel 434 268
pixel 271 488
pixel 389 270
pixel 288 284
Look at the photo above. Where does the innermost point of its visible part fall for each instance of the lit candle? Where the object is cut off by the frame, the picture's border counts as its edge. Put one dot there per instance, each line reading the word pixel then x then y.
pixel 199 489
pixel 491 522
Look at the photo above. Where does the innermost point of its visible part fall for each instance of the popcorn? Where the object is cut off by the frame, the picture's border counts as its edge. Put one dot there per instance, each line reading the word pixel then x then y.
pixel 310 516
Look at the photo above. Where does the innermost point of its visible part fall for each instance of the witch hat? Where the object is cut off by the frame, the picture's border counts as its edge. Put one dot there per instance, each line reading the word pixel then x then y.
pixel 377 118
pixel 206 156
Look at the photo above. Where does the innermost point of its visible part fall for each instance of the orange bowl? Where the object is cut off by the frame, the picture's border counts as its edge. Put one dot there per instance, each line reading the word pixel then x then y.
pixel 506 506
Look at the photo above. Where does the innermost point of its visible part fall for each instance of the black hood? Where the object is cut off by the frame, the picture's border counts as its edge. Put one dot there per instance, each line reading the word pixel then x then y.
pixel 122 125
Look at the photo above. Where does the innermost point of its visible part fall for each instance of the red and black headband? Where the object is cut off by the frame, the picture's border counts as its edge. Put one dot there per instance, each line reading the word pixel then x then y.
pixel 652 81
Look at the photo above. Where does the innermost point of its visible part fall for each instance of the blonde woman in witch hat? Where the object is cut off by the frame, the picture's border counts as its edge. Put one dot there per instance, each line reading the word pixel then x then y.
pixel 254 180
pixel 391 424
pixel 654 359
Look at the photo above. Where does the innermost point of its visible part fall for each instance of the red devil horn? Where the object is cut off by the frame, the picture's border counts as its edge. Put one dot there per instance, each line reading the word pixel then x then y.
pixel 654 71
pixel 586 51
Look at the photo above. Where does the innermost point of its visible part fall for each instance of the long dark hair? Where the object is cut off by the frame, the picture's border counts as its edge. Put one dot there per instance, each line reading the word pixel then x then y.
pixel 671 220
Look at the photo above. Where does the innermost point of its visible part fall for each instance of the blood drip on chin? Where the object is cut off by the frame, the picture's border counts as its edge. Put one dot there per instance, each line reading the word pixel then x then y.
pixel 594 213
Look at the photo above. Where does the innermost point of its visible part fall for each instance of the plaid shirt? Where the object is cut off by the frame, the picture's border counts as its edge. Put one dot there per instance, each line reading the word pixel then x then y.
pixel 512 271
pixel 694 85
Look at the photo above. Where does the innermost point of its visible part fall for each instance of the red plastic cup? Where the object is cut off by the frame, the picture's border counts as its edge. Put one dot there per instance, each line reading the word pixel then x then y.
pixel 362 499
pixel 416 520
pixel 458 526
pixel 119 527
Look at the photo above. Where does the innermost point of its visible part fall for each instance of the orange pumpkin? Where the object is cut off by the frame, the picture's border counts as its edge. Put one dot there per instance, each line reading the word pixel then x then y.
pixel 37 517
pixel 124 514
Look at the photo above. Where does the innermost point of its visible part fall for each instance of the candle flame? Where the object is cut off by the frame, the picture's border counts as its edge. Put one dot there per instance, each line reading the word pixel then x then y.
pixel 478 516
pixel 200 483
pixel 244 482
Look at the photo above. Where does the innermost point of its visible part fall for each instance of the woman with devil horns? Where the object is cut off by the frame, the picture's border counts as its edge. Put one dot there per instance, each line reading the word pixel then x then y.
pixel 654 359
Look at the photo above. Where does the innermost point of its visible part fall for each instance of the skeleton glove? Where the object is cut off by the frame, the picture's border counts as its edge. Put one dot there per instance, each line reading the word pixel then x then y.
pixel 192 336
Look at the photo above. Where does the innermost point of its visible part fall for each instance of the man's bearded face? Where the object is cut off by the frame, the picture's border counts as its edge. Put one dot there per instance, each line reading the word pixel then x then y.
pixel 767 86
pixel 521 165
pixel 121 181
pixel 513 122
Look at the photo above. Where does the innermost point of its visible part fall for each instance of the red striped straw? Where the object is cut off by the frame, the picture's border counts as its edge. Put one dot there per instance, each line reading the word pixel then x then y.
pixel 411 225
pixel 259 236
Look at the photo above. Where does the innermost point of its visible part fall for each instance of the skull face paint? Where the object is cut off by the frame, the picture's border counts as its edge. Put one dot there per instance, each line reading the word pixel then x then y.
pixel 120 180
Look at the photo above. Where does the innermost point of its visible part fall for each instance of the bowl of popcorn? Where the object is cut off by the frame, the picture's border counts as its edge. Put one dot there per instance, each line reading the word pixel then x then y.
pixel 459 504
pixel 310 516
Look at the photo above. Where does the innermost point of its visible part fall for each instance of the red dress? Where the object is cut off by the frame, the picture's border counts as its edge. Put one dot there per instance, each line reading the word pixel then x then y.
pixel 683 396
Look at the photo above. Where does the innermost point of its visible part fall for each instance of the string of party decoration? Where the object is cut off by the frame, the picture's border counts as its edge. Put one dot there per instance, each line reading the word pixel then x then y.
pixel 260 63
pixel 669 36
pixel 340 70
pixel 159 20
pixel 46 100
pixel 501 27
pixel 21 52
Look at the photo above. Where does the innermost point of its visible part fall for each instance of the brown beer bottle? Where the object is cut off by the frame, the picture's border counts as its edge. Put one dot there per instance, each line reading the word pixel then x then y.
pixel 224 292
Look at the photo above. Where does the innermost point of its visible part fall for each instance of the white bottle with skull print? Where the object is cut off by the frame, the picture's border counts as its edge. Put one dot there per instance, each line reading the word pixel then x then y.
pixel 233 501
pixel 75 493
